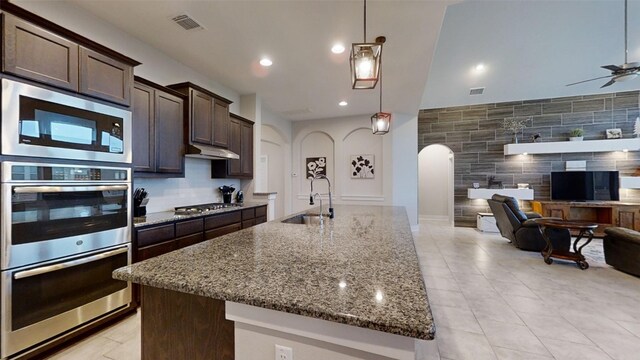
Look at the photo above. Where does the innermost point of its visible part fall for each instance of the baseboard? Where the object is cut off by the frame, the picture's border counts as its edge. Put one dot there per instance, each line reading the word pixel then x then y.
pixel 434 217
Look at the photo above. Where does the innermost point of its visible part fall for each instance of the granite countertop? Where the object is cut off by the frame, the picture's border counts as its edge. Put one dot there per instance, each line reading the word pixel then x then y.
pixel 360 269
pixel 169 216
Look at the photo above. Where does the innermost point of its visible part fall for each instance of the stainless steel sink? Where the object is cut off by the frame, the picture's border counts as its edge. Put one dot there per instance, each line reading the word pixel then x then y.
pixel 304 219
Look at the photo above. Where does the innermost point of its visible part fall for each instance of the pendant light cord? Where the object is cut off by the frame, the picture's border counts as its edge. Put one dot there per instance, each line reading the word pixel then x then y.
pixel 626 50
pixel 380 83
pixel 365 21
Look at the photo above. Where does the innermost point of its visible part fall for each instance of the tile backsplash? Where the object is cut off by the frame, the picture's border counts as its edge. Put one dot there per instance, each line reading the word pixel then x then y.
pixel 475 134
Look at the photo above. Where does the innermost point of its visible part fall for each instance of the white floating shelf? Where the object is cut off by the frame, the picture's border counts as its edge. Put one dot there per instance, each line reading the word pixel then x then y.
pixel 520 194
pixel 630 182
pixel 560 147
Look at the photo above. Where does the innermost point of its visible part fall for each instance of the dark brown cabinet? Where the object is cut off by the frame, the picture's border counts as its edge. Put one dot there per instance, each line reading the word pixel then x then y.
pixel 36 53
pixel 240 142
pixel 207 117
pixel 104 77
pixel 32 52
pixel 158 150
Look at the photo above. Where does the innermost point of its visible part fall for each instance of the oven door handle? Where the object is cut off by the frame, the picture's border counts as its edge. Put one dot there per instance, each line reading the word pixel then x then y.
pixel 55 189
pixel 56 267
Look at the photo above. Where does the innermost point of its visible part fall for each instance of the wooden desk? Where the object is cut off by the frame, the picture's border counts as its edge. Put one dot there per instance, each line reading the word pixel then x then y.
pixel 603 213
pixel 576 255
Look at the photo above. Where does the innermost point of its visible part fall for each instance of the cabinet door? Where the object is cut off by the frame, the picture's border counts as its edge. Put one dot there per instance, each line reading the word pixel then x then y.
pixel 234 167
pixel 37 54
pixel 628 217
pixel 220 123
pixel 169 130
pixel 246 155
pixel 143 128
pixel 201 118
pixel 105 78
pixel 156 250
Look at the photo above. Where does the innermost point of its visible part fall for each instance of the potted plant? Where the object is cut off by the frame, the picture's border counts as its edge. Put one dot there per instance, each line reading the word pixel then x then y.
pixel 576 134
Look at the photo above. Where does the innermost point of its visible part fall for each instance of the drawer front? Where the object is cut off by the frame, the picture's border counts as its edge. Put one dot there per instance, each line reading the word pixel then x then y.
pixel 185 228
pixel 221 220
pixel 261 211
pixel 189 240
pixel 248 223
pixel 210 234
pixel 155 250
pixel 154 235
pixel 248 214
pixel 261 219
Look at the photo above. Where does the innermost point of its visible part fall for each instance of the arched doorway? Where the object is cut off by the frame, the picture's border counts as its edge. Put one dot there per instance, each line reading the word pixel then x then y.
pixel 435 183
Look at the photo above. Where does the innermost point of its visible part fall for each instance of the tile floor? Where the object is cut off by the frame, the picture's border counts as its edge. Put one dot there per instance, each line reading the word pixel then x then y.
pixel 489 301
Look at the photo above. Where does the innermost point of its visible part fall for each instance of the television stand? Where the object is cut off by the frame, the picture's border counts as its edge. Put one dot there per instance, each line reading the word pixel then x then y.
pixel 603 213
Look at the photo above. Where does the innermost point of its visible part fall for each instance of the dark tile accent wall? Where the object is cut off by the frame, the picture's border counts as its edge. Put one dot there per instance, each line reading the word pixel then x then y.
pixel 474 133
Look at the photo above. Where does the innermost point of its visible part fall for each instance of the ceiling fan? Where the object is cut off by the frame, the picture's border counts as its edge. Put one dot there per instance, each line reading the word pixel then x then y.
pixel 619 73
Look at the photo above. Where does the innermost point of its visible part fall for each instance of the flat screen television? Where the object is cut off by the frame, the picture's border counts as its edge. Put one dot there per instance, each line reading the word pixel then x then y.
pixel 585 185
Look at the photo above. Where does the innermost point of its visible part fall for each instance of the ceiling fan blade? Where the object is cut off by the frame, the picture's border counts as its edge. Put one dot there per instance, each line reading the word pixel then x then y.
pixel 610 82
pixel 611 67
pixel 584 81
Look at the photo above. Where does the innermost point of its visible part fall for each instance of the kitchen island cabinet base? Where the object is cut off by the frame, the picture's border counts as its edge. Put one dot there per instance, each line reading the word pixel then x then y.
pixel 314 339
pixel 179 326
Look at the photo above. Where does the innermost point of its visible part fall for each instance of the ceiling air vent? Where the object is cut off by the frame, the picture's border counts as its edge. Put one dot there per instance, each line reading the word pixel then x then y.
pixel 187 22
pixel 476 91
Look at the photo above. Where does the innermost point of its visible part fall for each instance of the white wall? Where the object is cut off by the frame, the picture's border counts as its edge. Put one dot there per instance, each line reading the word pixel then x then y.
pixel 531 50
pixel 197 186
pixel 435 182
pixel 338 139
pixel 276 143
pixel 405 163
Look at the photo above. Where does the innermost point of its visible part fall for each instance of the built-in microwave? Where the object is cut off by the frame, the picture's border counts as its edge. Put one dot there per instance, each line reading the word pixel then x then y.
pixel 38 122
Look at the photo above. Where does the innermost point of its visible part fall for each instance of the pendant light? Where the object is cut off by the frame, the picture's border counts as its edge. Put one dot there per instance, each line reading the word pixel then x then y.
pixel 365 60
pixel 380 121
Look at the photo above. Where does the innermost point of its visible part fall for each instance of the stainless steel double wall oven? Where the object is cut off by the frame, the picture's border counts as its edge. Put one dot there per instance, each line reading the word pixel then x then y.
pixel 64 227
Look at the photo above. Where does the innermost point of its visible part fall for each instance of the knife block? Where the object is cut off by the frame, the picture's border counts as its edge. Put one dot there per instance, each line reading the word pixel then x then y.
pixel 139 211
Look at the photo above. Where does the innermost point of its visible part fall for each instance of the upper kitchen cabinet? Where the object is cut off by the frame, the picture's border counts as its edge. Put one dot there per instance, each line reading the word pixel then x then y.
pixel 158 149
pixel 240 142
pixel 37 49
pixel 207 115
pixel 104 77
pixel 32 52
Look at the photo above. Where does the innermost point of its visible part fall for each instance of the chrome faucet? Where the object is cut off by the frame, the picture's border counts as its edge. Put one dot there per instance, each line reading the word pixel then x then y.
pixel 331 213
pixel 311 203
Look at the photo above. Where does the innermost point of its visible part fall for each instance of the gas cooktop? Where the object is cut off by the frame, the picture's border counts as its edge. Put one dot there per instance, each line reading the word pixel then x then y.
pixel 202 208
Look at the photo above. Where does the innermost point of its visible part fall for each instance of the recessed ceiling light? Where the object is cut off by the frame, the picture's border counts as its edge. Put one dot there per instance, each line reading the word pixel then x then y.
pixel 480 67
pixel 343 103
pixel 266 62
pixel 337 49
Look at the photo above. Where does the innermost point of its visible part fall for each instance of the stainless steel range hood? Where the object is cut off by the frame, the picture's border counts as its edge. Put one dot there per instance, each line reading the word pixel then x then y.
pixel 210 152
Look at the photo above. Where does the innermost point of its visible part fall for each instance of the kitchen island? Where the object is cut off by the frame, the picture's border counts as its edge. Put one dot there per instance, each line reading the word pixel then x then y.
pixel 351 289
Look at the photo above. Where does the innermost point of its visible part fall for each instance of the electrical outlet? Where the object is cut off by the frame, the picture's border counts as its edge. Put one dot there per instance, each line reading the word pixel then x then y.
pixel 284 353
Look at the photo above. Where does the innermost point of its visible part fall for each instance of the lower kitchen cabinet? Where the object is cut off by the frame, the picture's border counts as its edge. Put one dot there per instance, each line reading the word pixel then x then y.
pixel 154 240
pixel 158 149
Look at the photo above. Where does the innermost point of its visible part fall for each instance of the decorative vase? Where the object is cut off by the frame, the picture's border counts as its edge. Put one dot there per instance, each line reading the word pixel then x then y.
pixel 515 138
pixel 576 138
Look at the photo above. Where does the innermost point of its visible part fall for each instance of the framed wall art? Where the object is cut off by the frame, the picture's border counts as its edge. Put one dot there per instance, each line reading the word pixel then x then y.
pixel 362 167
pixel 316 166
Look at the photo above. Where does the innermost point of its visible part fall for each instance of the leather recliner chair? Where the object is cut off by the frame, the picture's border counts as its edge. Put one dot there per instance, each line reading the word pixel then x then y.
pixel 622 249
pixel 517 226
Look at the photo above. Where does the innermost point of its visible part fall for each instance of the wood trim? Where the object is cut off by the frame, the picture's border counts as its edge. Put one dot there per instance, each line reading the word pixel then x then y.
pixel 16 10
pixel 191 85
pixel 236 116
pixel 152 84
pixel 183 326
